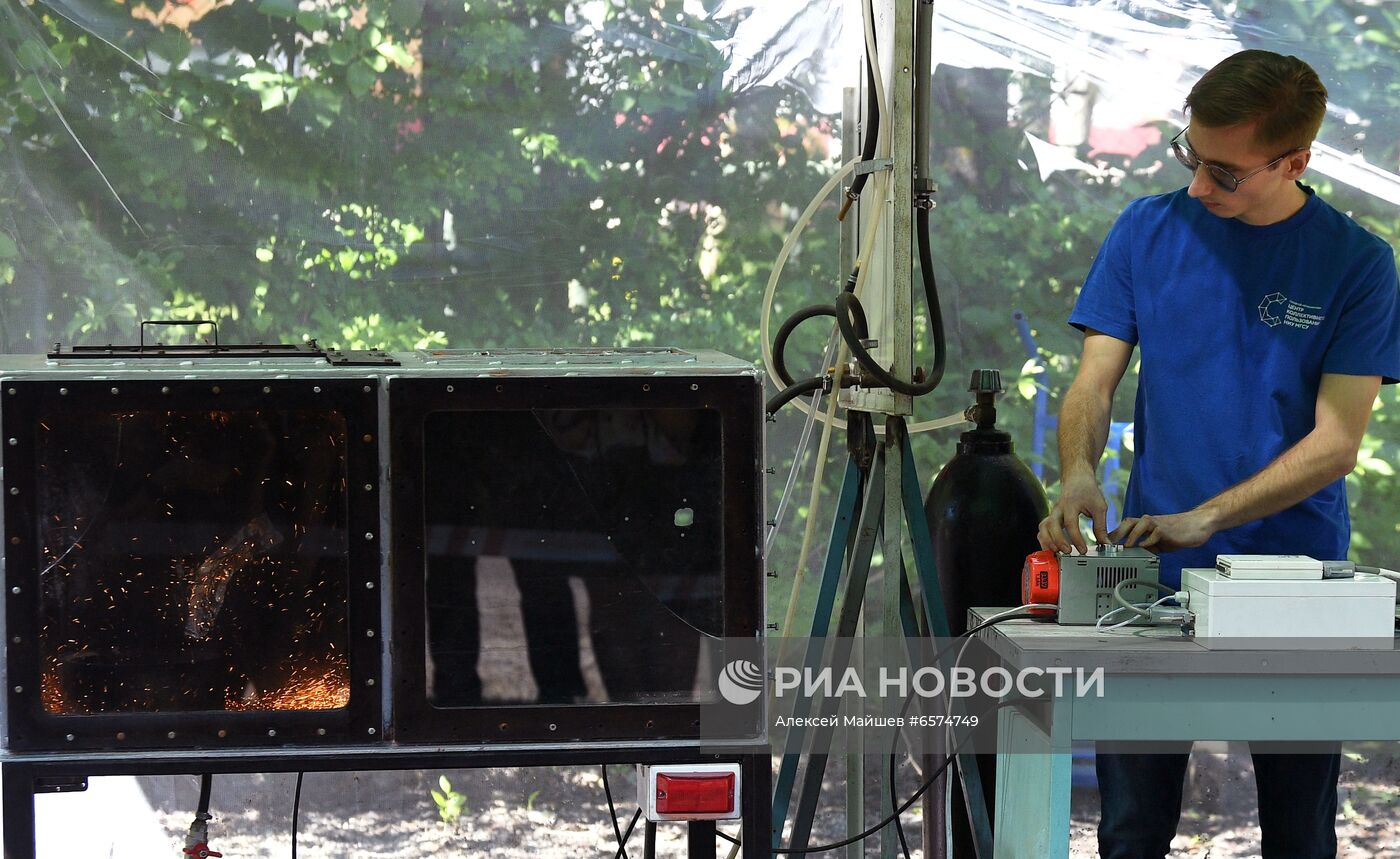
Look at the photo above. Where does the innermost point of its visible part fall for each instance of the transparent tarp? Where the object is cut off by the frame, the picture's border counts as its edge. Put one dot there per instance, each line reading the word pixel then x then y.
pixel 192 561
pixel 405 173
pixel 581 549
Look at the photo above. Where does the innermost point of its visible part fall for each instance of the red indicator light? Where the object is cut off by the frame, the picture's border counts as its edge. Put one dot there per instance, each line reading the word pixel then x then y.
pixel 708 793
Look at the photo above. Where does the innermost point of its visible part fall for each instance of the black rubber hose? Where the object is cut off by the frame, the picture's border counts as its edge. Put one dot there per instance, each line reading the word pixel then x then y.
pixel 785 331
pixel 792 392
pixel 850 318
pixel 206 787
pixel 872 134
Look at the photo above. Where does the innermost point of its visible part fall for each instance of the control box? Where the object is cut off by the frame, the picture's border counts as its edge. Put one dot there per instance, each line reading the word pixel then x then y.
pixel 1087 582
pixel 1359 610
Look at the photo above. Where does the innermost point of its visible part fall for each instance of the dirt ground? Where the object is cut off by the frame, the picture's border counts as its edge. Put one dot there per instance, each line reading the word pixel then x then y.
pixel 562 813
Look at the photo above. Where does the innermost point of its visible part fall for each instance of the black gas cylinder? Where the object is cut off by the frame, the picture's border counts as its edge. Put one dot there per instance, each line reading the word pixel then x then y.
pixel 983 510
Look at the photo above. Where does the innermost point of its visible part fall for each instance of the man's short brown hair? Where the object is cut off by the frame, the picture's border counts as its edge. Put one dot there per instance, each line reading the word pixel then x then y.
pixel 1282 94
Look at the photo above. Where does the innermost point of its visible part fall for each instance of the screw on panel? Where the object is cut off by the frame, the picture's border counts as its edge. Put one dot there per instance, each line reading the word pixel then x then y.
pixel 116 391
pixel 13 442
pixel 367 438
pixel 266 389
pixel 369 633
pixel 372 731
pixel 19 690
pixel 121 735
pixel 222 733
pixel 272 732
pixel 13 392
pixel 369 682
pixel 63 392
pixel 369 535
pixel 369 586
pixel 216 389
pixel 170 736
pixel 16 640
pixel 15 589
pixel 14 490
pixel 316 389
pixel 165 390
pixel 646 387
pixel 369 487
pixel 695 387
pixel 450 389
pixel 69 737
pixel 367 389
pixel 320 732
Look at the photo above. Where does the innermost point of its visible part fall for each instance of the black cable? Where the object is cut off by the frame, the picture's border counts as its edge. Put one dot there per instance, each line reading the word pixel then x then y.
pixel 785 331
pixel 621 852
pixel 206 787
pixel 296 811
pixel 612 813
pixel 947 760
pixel 894 740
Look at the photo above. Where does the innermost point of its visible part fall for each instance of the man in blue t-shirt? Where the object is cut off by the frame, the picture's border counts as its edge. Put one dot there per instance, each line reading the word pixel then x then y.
pixel 1266 322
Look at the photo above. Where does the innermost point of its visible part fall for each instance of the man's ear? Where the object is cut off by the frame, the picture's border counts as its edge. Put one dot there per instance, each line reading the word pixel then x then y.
pixel 1297 163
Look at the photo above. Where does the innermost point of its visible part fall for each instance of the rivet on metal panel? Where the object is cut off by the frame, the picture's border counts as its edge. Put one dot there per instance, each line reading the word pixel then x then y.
pixel 116 391
pixel 16 640
pixel 316 389
pixel 695 387
pixel 553 727
pixel 320 732
pixel 500 388
pixel 170 736
pixel 646 387
pixel 216 389
pixel 450 389
pixel 372 732
pixel 15 589
pixel 13 392
pixel 165 390
pixel 366 389
pixel 272 732
pixel 222 733
pixel 369 633
pixel 504 726
pixel 63 392
pixel 14 541
pixel 121 735
pixel 369 682
pixel 13 442
pixel 367 438
pixel 369 535
pixel 266 389
pixel 69 737
pixel 369 586
pixel 369 487
pixel 14 490
pixel 19 690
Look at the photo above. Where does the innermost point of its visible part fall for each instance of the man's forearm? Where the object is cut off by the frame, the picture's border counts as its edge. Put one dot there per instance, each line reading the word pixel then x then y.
pixel 1308 466
pixel 1084 419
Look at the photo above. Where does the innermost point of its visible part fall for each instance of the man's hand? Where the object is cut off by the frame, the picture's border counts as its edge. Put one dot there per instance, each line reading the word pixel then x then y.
pixel 1079 496
pixel 1168 533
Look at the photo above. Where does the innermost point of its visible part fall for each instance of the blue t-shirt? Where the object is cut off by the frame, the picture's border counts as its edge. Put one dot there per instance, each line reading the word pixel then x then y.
pixel 1236 325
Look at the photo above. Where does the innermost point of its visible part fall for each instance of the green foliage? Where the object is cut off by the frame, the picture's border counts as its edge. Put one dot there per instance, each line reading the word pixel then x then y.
pixel 450 803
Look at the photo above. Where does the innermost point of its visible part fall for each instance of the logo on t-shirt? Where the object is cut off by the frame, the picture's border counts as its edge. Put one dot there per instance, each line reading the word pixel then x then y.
pixel 1278 309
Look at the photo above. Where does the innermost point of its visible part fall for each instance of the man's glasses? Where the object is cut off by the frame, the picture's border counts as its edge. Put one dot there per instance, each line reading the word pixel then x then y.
pixel 1181 148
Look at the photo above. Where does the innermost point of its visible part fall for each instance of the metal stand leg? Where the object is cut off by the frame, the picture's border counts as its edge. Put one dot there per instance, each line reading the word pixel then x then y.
pixel 649 841
pixel 18 805
pixel 700 839
pixel 929 616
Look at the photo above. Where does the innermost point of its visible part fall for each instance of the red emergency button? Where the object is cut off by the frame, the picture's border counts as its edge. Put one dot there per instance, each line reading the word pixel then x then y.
pixel 708 793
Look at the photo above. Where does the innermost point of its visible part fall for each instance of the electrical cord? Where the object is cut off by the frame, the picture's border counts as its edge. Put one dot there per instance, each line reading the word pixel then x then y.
pixel 894 741
pixel 1012 614
pixel 622 848
pixel 907 804
pixel 296 811
pixel 612 813
pixel 1123 601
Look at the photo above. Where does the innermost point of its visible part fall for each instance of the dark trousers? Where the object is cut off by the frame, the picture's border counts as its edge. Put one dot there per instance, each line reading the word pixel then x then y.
pixel 1141 802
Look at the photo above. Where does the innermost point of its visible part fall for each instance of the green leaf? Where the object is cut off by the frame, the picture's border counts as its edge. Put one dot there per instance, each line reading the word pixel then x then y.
pixel 272 97
pixel 173 45
pixel 8 248
pixel 406 13
pixel 32 55
pixel 347 259
pixel 311 20
pixel 396 54
pixel 278 8
pixel 361 78
pixel 30 86
pixel 341 52
pixel 263 254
